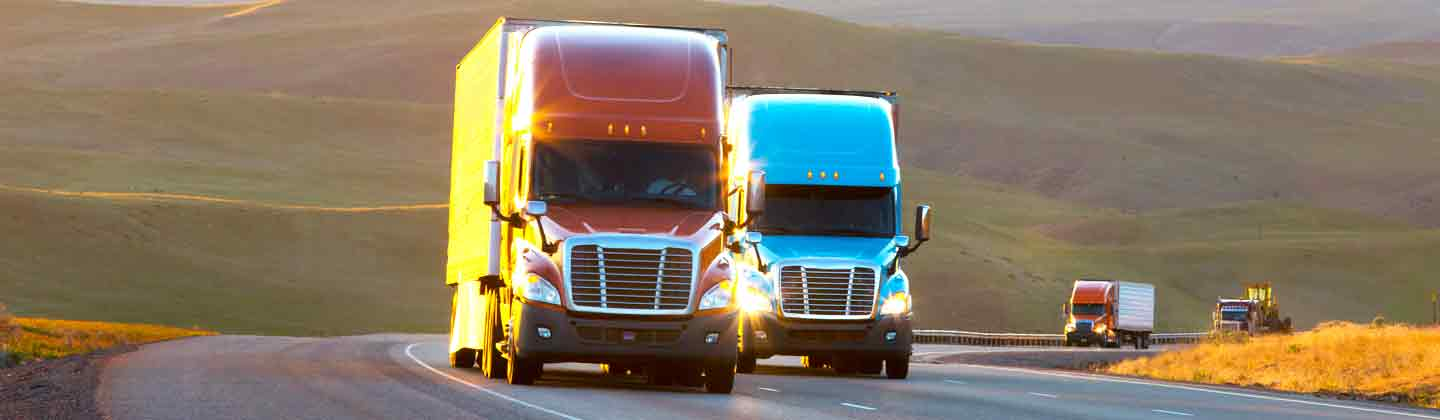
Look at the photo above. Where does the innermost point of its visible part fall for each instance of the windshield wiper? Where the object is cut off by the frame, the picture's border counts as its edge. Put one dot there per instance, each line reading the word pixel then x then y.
pixel 778 230
pixel 853 232
pixel 672 202
pixel 554 196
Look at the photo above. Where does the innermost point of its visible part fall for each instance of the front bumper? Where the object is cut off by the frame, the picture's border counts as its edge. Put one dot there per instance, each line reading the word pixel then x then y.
pixel 597 338
pixel 805 337
pixel 1088 337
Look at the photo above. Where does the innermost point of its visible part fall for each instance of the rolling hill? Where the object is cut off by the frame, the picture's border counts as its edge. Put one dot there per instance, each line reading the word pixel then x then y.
pixel 1045 163
pixel 1226 27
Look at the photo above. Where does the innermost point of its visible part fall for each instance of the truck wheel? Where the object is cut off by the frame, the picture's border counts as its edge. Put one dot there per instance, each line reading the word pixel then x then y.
pixel 1137 341
pixel 746 361
pixel 1146 342
pixel 660 375
pixel 521 371
pixel 490 360
pixel 897 367
pixel 814 362
pixel 871 366
pixel 463 358
pixel 719 377
pixel 844 365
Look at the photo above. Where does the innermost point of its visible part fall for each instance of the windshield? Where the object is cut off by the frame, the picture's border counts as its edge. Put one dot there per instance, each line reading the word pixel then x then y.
pixel 1233 314
pixel 1089 309
pixel 823 210
pixel 668 175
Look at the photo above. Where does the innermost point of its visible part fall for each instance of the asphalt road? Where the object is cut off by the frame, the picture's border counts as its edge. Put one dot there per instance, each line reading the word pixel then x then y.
pixel 406 376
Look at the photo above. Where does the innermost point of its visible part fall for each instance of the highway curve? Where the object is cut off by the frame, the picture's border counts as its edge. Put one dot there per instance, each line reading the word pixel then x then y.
pixel 406 376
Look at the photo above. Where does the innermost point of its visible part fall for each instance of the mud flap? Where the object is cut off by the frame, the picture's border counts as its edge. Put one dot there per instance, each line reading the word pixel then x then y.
pixel 467 318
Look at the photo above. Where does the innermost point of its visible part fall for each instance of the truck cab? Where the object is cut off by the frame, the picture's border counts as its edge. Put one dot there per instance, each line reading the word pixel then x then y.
pixel 1234 316
pixel 587 208
pixel 822 275
pixel 1109 313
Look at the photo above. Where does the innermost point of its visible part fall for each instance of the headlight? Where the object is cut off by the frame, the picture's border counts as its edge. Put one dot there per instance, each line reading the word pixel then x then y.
pixel 752 300
pixel 898 303
pixel 1099 328
pixel 536 288
pixel 1069 328
pixel 717 297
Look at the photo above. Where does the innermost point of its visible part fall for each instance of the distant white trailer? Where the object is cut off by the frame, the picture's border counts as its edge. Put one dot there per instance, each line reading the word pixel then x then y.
pixel 1135 308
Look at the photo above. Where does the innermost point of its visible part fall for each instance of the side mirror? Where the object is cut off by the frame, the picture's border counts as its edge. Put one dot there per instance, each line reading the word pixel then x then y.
pixel 536 208
pixel 902 241
pixel 753 238
pixel 755 194
pixel 492 183
pixel 922 223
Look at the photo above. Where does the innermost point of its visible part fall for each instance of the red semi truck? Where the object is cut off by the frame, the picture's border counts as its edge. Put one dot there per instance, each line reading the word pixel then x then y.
pixel 587 206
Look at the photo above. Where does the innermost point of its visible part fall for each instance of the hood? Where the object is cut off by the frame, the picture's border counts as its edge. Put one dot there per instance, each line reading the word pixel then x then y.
pixel 874 251
pixel 564 221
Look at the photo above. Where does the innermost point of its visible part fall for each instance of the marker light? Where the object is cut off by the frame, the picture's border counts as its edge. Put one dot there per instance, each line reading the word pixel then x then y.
pixel 543 332
pixel 809 174
pixel 712 338
pixel 610 129
pixel 882 176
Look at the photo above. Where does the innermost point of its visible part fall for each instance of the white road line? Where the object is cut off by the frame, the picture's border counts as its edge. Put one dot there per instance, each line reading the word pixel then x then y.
pixel 858 406
pixel 1173 413
pixel 769 389
pixel 1212 391
pixel 482 389
pixel 952 381
pixel 1044 395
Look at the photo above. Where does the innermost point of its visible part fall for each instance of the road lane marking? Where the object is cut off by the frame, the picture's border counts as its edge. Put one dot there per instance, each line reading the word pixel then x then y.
pixel 952 381
pixel 858 406
pixel 1098 378
pixel 1173 413
pixel 483 389
pixel 769 389
pixel 1044 395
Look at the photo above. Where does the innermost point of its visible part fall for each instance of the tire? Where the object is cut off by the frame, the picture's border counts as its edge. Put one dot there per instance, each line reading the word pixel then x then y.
pixel 1138 342
pixel 844 365
pixel 492 363
pixel 660 375
pixel 871 366
pixel 720 377
pixel 746 359
pixel 1146 340
pixel 463 358
pixel 897 367
pixel 520 371
pixel 692 375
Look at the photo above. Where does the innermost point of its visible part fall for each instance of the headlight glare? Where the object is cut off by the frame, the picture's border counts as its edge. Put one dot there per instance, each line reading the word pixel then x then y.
pixel 898 303
pixel 752 300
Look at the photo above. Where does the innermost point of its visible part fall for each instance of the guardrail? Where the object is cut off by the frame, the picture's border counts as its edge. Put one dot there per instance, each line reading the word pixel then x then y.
pixel 1013 339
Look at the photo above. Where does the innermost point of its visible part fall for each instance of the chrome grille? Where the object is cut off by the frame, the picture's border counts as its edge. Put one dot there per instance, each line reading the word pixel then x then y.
pixel 630 280
pixel 820 292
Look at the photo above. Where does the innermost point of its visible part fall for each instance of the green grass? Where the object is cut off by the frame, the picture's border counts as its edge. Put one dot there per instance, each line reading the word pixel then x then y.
pixel 1036 159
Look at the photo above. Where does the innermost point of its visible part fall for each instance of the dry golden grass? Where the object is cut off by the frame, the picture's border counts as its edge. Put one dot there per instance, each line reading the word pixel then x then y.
pixel 37 338
pixel 1341 358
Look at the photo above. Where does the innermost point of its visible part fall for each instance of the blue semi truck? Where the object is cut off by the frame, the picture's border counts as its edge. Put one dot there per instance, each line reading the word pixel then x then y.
pixel 822 278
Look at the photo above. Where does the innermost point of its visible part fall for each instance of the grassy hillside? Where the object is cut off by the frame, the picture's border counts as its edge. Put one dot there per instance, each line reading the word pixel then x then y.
pixel 1037 159
pixel 1225 27
pixel 229 268
pixel 1108 128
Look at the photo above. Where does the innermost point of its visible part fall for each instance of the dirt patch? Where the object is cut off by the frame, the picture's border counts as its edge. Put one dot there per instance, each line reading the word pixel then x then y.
pixel 1071 360
pixel 61 388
